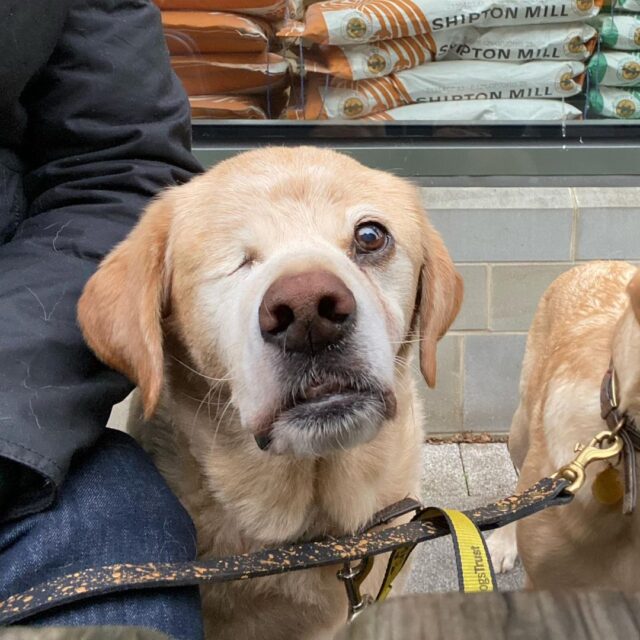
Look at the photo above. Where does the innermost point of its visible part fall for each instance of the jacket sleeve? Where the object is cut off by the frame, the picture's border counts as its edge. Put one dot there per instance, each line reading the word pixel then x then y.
pixel 109 127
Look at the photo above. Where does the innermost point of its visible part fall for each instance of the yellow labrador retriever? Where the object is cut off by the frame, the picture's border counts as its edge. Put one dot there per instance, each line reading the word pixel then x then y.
pixel 588 316
pixel 266 312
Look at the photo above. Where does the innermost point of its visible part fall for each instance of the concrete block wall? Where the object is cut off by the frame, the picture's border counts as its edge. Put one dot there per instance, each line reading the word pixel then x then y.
pixel 509 244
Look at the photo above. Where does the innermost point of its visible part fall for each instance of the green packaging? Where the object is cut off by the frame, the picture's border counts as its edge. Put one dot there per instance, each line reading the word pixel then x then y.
pixel 611 102
pixel 619 31
pixel 615 69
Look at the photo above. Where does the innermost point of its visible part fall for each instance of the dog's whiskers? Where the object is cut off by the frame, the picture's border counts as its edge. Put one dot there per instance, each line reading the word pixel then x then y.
pixel 201 400
pixel 202 375
pixel 219 402
pixel 410 341
pixel 402 361
pixel 220 419
pixel 205 399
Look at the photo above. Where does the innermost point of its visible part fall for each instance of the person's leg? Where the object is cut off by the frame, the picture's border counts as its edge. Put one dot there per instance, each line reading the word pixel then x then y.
pixel 114 507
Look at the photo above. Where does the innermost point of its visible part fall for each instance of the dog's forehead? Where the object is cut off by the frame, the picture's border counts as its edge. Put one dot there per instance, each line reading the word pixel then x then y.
pixel 308 184
pixel 326 192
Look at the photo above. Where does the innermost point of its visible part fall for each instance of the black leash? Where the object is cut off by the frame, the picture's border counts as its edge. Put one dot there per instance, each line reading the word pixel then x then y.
pixel 427 525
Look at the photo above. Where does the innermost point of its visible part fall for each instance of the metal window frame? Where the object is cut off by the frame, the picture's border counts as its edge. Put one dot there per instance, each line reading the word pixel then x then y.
pixel 592 148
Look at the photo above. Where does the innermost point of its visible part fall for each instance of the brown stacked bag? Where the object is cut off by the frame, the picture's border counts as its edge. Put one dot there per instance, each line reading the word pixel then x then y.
pixel 360 58
pixel 222 51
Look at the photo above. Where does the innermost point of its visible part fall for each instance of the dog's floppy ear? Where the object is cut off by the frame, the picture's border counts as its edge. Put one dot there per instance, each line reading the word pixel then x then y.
pixel 441 291
pixel 633 289
pixel 120 310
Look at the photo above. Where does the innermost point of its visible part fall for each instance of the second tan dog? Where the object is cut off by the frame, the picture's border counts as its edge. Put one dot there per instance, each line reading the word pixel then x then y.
pixel 266 310
pixel 588 316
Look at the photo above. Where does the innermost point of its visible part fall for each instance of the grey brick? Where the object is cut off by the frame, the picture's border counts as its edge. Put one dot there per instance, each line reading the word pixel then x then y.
pixel 506 235
pixel 603 197
pixel 515 181
pixel 608 233
pixel 491 375
pixel 496 198
pixel 443 405
pixel 516 291
pixel 473 314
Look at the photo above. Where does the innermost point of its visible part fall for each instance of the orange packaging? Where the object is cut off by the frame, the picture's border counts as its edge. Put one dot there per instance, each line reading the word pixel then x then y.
pixel 268 9
pixel 227 107
pixel 373 60
pixel 339 22
pixel 192 32
pixel 222 73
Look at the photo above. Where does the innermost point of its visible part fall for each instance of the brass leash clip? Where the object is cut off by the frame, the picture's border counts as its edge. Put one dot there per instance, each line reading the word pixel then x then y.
pixel 604 446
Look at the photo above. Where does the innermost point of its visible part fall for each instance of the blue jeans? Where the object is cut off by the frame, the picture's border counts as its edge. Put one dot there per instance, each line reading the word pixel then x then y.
pixel 113 507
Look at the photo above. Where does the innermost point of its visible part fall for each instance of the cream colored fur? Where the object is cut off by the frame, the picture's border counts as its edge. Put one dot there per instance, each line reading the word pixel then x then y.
pixel 175 308
pixel 587 316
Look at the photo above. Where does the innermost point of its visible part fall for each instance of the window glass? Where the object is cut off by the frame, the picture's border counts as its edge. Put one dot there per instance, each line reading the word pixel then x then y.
pixel 407 60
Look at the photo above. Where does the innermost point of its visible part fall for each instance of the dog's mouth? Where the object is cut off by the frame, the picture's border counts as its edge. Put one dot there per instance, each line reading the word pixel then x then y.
pixel 322 413
pixel 327 391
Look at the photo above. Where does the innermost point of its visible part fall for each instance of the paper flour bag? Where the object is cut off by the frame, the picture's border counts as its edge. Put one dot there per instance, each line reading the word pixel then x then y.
pixel 327 97
pixel 612 102
pixel 573 41
pixel 483 110
pixel 615 69
pixel 227 107
pixel 340 22
pixel 619 31
pixel 373 60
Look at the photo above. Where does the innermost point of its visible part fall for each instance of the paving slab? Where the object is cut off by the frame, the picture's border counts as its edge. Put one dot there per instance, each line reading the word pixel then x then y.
pixel 488 469
pixel 453 471
pixel 443 473
pixel 433 568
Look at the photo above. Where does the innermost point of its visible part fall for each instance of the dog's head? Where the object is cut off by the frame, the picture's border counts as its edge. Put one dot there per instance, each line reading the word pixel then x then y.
pixel 296 274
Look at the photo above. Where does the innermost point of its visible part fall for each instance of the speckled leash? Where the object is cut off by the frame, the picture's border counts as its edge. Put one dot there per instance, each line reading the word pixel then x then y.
pixel 98 581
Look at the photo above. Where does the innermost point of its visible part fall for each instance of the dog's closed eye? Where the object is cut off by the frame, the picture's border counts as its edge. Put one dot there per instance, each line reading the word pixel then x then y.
pixel 247 261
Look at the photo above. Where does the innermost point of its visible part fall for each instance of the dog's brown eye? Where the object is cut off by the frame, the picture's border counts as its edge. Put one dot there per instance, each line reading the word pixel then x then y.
pixel 370 237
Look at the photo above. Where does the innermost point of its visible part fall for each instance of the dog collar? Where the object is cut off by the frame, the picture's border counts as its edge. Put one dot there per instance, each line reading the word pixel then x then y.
pixel 609 408
pixel 624 425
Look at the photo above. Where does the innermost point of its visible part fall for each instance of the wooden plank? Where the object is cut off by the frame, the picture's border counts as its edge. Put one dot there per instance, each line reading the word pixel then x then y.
pixel 578 615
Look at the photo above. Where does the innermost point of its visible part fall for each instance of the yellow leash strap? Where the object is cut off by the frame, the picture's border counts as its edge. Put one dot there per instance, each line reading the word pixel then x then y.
pixel 475 571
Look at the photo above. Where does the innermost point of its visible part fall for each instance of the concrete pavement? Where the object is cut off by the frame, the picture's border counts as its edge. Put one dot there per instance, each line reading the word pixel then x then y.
pixel 460 476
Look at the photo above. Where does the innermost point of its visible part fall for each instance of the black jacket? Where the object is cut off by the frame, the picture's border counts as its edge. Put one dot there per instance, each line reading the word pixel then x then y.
pixel 92 124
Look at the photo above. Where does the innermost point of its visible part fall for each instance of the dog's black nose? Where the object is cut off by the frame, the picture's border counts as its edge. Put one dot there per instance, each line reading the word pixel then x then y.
pixel 307 312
